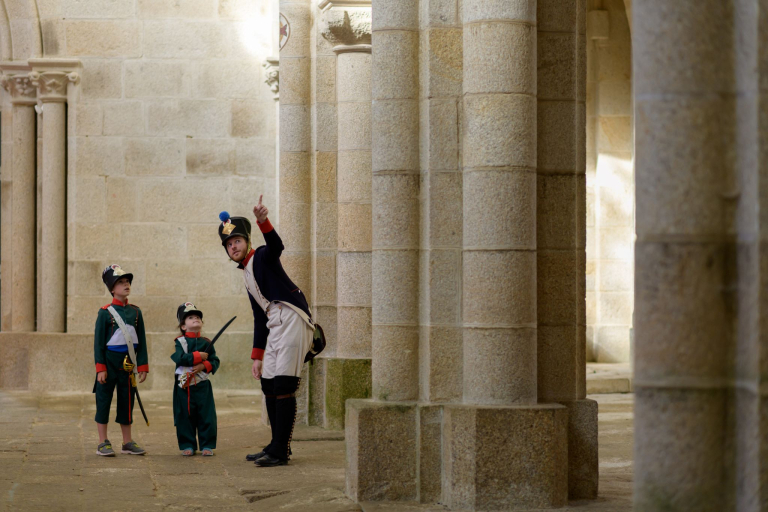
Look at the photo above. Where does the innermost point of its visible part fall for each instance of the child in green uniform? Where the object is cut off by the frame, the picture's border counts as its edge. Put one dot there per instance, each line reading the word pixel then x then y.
pixel 194 410
pixel 110 350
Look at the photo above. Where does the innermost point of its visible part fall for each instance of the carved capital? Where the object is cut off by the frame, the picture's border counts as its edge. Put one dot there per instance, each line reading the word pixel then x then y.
pixel 21 89
pixel 272 76
pixel 347 25
pixel 52 85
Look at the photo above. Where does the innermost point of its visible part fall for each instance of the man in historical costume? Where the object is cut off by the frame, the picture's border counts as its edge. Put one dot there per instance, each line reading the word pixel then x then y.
pixel 282 329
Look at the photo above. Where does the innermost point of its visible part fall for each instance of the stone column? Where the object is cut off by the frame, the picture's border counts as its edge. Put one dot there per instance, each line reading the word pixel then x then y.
pixel 295 143
pixel 381 433
pixel 561 233
pixel 52 79
pixel 346 373
pixel 18 199
pixel 684 279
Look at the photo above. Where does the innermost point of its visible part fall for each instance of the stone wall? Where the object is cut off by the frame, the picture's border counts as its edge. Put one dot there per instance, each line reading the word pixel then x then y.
pixel 171 122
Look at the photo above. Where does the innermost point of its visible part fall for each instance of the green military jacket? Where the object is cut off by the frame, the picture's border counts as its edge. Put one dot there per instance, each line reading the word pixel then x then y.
pixel 195 345
pixel 109 337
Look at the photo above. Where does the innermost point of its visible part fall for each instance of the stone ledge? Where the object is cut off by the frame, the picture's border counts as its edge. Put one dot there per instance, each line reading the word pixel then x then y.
pixel 606 378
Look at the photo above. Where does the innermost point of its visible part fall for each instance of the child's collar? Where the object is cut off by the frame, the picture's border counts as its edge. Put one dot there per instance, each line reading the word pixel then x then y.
pixel 117 302
pixel 192 334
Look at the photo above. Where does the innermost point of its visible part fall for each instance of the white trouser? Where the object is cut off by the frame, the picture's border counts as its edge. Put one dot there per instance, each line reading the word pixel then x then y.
pixel 289 340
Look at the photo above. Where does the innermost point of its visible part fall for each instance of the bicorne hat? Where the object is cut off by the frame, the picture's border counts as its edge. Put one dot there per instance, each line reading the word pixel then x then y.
pixel 187 309
pixel 112 274
pixel 233 226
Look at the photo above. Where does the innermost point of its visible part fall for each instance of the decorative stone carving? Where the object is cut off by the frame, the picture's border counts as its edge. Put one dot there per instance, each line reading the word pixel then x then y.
pixel 53 84
pixel 272 76
pixel 21 89
pixel 347 25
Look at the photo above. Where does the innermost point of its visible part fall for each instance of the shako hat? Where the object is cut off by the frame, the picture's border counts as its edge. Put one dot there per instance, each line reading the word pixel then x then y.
pixel 112 274
pixel 187 309
pixel 233 226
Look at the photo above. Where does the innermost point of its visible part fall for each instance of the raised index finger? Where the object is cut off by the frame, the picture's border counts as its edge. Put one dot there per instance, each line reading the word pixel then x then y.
pixel 262 195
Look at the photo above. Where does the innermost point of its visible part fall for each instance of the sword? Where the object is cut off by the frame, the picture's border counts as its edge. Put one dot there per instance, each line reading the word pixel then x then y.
pixel 128 366
pixel 207 348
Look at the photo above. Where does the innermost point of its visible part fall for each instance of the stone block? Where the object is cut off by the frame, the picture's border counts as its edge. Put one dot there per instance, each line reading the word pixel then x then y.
pixel 295 132
pixel 295 230
pixel 616 206
pixel 509 49
pixel 122 199
pixel 124 118
pixel 558 275
pixel 354 332
pixel 499 131
pixel 155 239
pixel 90 198
pixel 85 279
pixel 557 72
pixel 256 157
pixel 198 9
pixel 395 136
pixel 102 79
pixel 395 67
pixel 89 119
pixel 354 278
pixel 89 9
pixel 163 277
pixel 235 79
pixel 299 16
pixel 443 149
pixel 400 193
pixel 397 15
pixel 325 278
pixel 557 206
pixel 614 134
pixel 512 276
pixel 500 366
pixel 326 316
pixel 444 75
pixel 445 217
pixel 178 39
pixel 154 157
pixel 354 177
pixel 295 182
pixel 505 458
pixel 615 243
pixel 210 156
pixel 615 98
pixel 298 266
pixel 354 72
pixel 326 127
pixel 616 276
pixel 90 247
pixel 188 118
pixel 499 209
pixel 615 308
pixel 382 458
pixel 558 353
pixel 441 363
pixel 612 344
pixel 168 198
pixel 325 79
pixel 442 287
pixel 557 15
pixel 343 379
pixel 156 79
pixel 354 227
pixel 395 277
pixel 430 422
pixel 557 136
pixel 395 355
pixel 294 81
pixel 583 471
pixel 354 126
pixel 99 156
pixel 692 477
pixel 102 39
pixel 326 227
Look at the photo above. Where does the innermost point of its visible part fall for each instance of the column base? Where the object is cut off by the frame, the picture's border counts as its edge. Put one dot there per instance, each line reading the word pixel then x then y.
pixel 462 456
pixel 583 464
pixel 332 382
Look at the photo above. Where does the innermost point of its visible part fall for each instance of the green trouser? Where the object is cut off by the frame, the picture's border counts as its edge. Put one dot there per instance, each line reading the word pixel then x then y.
pixel 194 411
pixel 116 376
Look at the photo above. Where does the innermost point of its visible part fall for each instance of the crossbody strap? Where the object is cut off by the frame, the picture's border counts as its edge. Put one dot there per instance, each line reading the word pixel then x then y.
pixel 301 313
pixel 126 335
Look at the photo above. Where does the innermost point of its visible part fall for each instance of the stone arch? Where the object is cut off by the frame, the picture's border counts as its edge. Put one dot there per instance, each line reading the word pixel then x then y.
pixel 610 183
pixel 23 40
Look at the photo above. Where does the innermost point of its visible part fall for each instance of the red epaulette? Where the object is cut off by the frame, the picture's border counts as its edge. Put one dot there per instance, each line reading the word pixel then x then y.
pixel 107 306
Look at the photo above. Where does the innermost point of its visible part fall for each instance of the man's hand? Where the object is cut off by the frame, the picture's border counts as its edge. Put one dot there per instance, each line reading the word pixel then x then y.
pixel 198 368
pixel 260 211
pixel 256 369
pixel 142 376
pixel 101 377
pixel 204 356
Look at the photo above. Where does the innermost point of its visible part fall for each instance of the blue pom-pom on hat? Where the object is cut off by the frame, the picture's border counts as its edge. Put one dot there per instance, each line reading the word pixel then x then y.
pixel 224 216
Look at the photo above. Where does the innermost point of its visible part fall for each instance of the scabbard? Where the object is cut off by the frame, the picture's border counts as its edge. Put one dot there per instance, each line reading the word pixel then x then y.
pixel 141 406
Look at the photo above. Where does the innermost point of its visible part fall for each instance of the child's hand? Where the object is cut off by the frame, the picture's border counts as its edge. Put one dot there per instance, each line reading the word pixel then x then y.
pixel 204 356
pixel 198 368
pixel 101 377
pixel 142 376
pixel 260 211
pixel 256 369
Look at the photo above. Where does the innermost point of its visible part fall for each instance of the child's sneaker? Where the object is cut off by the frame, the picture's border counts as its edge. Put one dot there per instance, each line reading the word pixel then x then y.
pixel 105 449
pixel 132 449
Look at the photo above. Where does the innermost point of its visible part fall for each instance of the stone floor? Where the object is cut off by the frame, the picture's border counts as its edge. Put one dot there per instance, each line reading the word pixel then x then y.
pixel 48 461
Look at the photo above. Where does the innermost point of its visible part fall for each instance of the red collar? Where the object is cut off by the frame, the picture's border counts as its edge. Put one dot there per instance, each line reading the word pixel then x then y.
pixel 192 334
pixel 116 302
pixel 247 259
